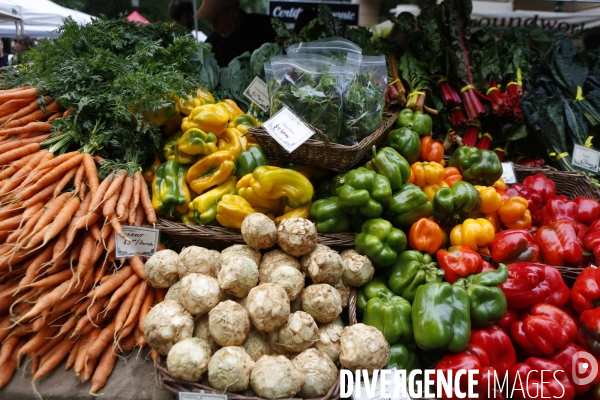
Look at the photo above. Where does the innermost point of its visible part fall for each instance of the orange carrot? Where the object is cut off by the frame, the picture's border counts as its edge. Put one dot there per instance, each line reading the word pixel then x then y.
pixel 53 175
pixel 14 154
pixel 91 173
pixel 36 265
pixel 41 195
pixel 35 364
pixel 78 181
pixel 146 306
pixel 87 340
pixel 88 370
pixel 125 288
pixel 53 280
pixel 98 196
pixel 108 209
pixel 137 188
pixel 160 294
pixel 53 358
pixel 9 367
pixel 91 314
pixel 133 317
pixel 103 370
pixel 30 117
pixel 10 223
pixel 53 116
pixel 115 185
pixel 126 308
pixel 48 300
pixel 36 342
pixel 22 173
pixel 32 126
pixel 95 349
pixel 17 103
pixel 112 283
pixel 31 107
pixel 62 219
pixel 138 266
pixel 64 181
pixel 125 196
pixel 73 355
pixel 147 204
pixel 154 355
pixel 7 348
pixel 86 256
pixel 117 227
pixel 51 210
pixel 14 144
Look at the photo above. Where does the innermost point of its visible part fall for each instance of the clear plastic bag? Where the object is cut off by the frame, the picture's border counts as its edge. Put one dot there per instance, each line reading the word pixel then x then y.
pixel 313 90
pixel 336 48
pixel 364 100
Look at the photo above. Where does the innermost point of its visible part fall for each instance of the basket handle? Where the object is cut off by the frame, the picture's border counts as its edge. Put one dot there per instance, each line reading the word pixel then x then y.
pixel 322 134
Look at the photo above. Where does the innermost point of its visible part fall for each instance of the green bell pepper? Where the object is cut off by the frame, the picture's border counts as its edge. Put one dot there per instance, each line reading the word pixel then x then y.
pixel 195 141
pixel 401 357
pixel 336 183
pixel 405 142
pixel 451 206
pixel 247 161
pixel 364 192
pixel 169 148
pixel 170 192
pixel 487 300
pixel 203 209
pixel 328 216
pixel 389 163
pixel 380 241
pixel 392 316
pixel 479 167
pixel 412 270
pixel 375 288
pixel 441 317
pixel 416 121
pixel 408 205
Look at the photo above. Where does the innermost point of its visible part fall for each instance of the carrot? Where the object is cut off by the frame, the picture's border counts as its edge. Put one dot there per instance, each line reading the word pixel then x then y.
pixel 71 301
pixel 10 223
pixel 108 209
pixel 67 113
pixel 115 185
pixel 125 196
pixel 125 288
pixel 88 370
pixel 78 181
pixel 92 312
pixel 53 280
pixel 14 154
pixel 48 301
pixel 10 209
pixel 85 258
pixel 138 266
pixel 31 107
pixel 22 173
pixel 147 204
pixel 146 306
pixel 41 195
pixel 160 294
pixel 111 283
pixel 36 342
pixel 98 196
pixel 51 210
pixel 59 246
pixel 62 219
pixel 133 317
pixel 117 227
pixel 7 348
pixel 53 175
pixel 53 116
pixel 154 355
pixel 103 370
pixel 53 358
pixel 91 173
pixel 35 266
pixel 9 367
pixel 140 339
pixel 16 103
pixel 73 355
pixel 87 340
pixel 14 144
pixel 105 232
pixel 30 117
pixel 64 181
pixel 137 188
pixel 56 161
pixel 32 126
pixel 7 261
pixel 126 308
pixel 96 348
pixel 81 211
pixel 35 364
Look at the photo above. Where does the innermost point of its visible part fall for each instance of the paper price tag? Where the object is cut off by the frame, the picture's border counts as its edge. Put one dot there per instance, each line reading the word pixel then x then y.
pixel 258 93
pixel 143 242
pixel 585 158
pixel 201 396
pixel 377 395
pixel 288 130
pixel 508 173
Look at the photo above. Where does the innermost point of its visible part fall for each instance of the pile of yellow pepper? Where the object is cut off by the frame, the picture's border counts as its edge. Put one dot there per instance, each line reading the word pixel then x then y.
pixel 212 170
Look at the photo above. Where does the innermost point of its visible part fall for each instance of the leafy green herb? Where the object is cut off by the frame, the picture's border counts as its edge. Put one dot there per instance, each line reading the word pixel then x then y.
pixel 363 109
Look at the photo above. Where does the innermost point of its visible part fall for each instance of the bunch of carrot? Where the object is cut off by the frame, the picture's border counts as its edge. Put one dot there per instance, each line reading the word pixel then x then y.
pixel 63 293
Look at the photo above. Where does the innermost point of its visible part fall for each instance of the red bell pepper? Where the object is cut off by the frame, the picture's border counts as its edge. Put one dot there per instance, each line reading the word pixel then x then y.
pixel 585 294
pixel 560 208
pixel 526 285
pixel 509 317
pixel 513 245
pixel 590 329
pixel 592 239
pixel 538 378
pixel 497 346
pixel 588 210
pixel 544 186
pixel 505 196
pixel 582 231
pixel 566 356
pixel 545 330
pixel 559 245
pixel 559 291
pixel 459 262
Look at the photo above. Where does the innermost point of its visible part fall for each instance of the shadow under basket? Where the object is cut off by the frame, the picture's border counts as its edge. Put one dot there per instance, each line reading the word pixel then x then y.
pixel 332 156
pixel 218 238
pixel 164 380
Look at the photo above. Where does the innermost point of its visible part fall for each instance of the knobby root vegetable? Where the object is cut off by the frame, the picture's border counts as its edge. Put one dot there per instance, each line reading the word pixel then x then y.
pixel 196 260
pixel 257 345
pixel 298 334
pixel 238 275
pixel 166 324
pixel 161 269
pixel 199 293
pixel 305 260
pixel 272 260
pixel 297 236
pixel 363 347
pixel 330 336
pixel 243 250
pixel 268 307
pixel 326 267
pixel 320 373
pixel 188 359
pixel 358 269
pixel 174 293
pixel 228 324
pixel 290 279
pixel 275 377
pixel 259 231
pixel 344 291
pixel 201 331
pixel 229 369
pixel 323 302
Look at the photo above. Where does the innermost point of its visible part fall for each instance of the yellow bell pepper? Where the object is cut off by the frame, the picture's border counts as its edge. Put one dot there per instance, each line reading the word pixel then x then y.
pixel 426 173
pixel 300 212
pixel 232 210
pixel 232 108
pixel 500 184
pixel 211 118
pixel 210 171
pixel 490 199
pixel 274 183
pixel 232 140
pixel 431 189
pixel 242 123
pixel 514 213
pixel 202 97
pixel 473 233
pixel 245 190
pixel 203 209
pixel 184 158
pixel 495 220
pixel 195 141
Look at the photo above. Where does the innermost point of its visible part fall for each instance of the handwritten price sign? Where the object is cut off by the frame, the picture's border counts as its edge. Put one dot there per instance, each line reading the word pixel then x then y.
pixel 143 242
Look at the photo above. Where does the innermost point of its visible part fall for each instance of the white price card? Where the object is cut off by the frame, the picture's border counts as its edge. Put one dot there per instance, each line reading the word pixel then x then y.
pixel 287 129
pixel 201 396
pixel 258 93
pixel 585 158
pixel 508 173
pixel 143 242
pixel 373 392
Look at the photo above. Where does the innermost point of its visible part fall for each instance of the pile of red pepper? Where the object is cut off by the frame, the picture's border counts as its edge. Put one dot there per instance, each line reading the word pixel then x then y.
pixel 547 326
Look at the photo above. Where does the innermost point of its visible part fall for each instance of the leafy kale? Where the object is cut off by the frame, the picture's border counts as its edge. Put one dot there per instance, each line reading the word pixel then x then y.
pixel 363 108
pixel 262 55
pixel 234 79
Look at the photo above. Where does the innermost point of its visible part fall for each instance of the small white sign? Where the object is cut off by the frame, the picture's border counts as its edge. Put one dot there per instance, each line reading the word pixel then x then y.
pixel 363 393
pixel 258 93
pixel 287 129
pixel 585 158
pixel 143 242
pixel 508 173
pixel 201 396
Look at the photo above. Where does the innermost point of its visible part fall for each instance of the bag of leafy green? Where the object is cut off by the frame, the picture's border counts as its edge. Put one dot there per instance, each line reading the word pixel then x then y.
pixel 364 100
pixel 311 91
pixel 303 58
pixel 334 47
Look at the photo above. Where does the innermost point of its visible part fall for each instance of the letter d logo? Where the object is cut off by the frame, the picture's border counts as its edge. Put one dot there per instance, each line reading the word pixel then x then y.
pixel 582 368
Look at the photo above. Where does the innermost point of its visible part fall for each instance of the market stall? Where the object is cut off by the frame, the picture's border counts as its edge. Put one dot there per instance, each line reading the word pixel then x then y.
pixel 424 197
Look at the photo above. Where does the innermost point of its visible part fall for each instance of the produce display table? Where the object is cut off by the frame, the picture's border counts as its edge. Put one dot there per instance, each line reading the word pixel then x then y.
pixel 131 379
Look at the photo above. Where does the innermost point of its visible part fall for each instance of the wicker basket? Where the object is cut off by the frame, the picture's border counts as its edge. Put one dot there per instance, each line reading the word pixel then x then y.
pixel 164 380
pixel 570 184
pixel 218 237
pixel 333 156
